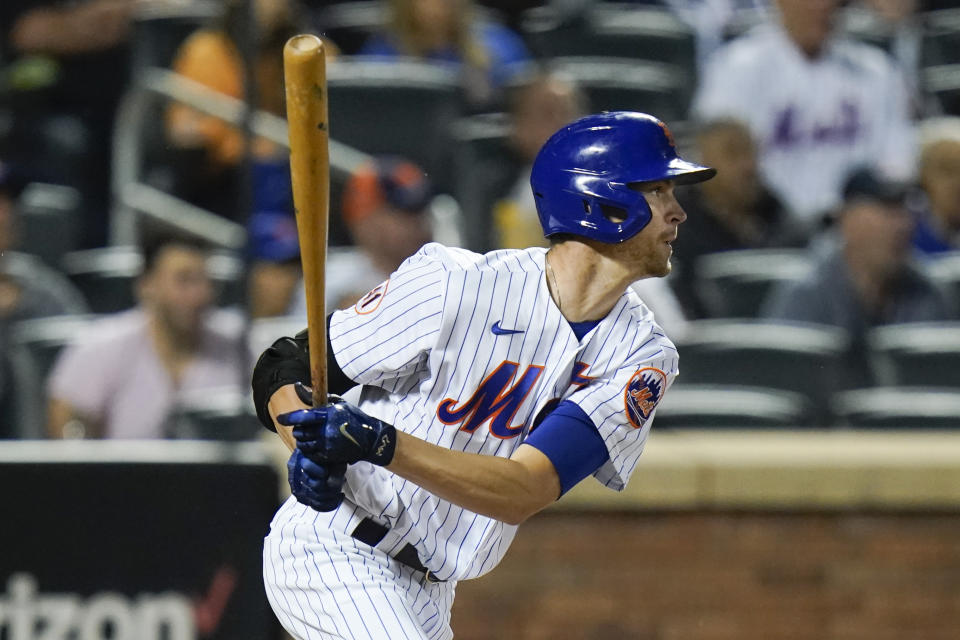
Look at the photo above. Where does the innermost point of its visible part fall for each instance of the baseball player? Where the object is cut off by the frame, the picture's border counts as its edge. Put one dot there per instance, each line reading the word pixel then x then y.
pixel 478 390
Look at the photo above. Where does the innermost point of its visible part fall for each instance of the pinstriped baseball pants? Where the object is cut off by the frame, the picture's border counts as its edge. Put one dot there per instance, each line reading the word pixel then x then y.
pixel 324 585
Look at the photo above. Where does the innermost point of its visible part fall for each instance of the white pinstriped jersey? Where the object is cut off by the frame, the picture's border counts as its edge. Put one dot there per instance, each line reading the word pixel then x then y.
pixel 814 120
pixel 465 351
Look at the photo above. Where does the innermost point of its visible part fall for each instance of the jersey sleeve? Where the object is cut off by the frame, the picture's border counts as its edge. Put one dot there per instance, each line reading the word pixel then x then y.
pixel 386 336
pixel 623 403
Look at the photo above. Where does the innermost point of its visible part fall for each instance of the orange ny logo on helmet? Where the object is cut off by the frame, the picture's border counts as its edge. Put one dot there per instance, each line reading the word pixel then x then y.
pixel 666 132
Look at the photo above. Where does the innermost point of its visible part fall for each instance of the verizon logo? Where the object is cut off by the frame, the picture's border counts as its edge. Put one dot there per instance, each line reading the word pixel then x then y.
pixel 26 614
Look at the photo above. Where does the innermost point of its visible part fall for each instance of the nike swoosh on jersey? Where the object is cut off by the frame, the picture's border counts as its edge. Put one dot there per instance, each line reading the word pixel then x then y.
pixel 499 331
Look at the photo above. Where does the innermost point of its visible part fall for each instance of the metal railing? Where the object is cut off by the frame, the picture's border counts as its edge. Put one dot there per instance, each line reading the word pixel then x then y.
pixel 134 198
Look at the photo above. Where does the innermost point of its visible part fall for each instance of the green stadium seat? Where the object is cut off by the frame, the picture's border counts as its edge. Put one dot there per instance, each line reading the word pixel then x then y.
pixel 899 408
pixel 925 354
pixel 734 284
pixel 731 406
pixel 804 358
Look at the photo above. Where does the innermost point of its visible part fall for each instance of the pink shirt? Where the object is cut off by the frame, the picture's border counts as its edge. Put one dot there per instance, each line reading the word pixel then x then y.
pixel 112 373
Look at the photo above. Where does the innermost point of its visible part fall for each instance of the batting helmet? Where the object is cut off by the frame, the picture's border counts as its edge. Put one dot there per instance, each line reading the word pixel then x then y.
pixel 581 178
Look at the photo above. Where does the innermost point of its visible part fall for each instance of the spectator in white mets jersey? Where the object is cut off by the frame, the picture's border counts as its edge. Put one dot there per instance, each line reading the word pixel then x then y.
pixel 819 105
pixel 483 388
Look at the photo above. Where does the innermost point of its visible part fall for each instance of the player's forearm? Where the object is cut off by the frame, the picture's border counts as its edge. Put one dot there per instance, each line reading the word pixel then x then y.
pixel 285 399
pixel 504 489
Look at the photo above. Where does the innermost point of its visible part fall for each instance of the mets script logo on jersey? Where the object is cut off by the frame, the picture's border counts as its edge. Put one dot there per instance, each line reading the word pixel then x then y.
pixel 370 302
pixel 643 392
pixel 495 400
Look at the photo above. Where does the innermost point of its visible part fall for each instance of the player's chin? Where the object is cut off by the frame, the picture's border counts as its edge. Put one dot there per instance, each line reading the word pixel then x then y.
pixel 660 268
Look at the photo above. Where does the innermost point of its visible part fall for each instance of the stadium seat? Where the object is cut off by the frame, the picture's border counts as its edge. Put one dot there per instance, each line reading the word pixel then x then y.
pixel 214 414
pixel 160 27
pixel 614 84
pixel 945 271
pixel 899 408
pixel 23 412
pixel 485 169
pixel 42 339
pixel 731 406
pixel 613 29
pixel 866 25
pixel 401 107
pixel 804 358
pixel 940 37
pixel 350 24
pixel 940 60
pixel 941 84
pixel 105 276
pixel 229 276
pixel 925 354
pixel 49 219
pixel 734 284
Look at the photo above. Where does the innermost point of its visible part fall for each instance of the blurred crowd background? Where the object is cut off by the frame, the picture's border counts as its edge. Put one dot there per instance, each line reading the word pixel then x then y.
pixel 148 249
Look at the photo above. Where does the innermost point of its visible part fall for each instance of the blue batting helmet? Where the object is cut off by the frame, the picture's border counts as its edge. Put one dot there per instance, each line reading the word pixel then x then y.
pixel 581 178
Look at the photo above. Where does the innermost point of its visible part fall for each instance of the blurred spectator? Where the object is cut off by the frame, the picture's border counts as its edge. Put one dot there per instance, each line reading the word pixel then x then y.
pixel 864 276
pixel 538 109
pixel 208 151
pixel 735 210
pixel 938 213
pixel 124 377
pixel 67 71
pixel 28 287
pixel 274 271
pixel 819 105
pixel 272 244
pixel 386 208
pixel 448 31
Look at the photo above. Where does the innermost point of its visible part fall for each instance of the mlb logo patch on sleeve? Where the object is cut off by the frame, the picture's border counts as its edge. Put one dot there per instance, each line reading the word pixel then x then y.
pixel 643 393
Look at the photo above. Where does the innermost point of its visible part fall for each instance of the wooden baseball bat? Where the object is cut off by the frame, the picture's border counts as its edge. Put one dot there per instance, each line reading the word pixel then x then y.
pixel 305 75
